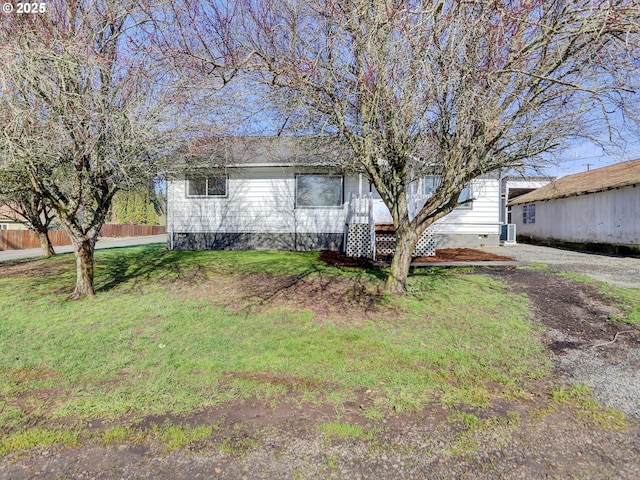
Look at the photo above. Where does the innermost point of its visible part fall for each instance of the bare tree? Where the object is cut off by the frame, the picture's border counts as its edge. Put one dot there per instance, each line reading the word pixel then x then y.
pixel 32 211
pixel 27 206
pixel 83 112
pixel 457 89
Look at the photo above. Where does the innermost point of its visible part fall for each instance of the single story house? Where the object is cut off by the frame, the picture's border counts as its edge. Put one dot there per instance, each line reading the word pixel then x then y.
pixel 10 220
pixel 597 209
pixel 299 193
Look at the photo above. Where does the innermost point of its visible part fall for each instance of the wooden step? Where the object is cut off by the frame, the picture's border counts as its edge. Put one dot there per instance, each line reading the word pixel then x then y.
pixel 385 228
pixel 385 240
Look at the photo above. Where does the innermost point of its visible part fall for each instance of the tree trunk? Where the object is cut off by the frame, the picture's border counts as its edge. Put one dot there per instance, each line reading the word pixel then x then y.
pixel 406 240
pixel 83 249
pixel 45 244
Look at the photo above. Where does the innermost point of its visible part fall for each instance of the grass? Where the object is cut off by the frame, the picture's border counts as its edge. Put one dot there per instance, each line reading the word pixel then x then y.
pixel 37 437
pixel 177 332
pixel 346 431
pixel 582 397
pixel 175 437
pixel 627 299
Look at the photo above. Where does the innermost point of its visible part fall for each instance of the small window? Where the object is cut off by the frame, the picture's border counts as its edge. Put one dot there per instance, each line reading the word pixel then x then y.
pixel 318 191
pixel 207 186
pixel 529 213
pixel 465 195
pixel 432 182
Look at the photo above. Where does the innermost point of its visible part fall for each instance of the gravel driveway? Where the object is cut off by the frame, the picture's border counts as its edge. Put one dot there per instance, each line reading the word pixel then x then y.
pixel 613 370
pixel 623 271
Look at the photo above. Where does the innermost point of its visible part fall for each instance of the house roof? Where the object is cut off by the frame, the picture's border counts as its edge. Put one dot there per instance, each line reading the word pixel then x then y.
pixel 7 214
pixel 606 178
pixel 263 151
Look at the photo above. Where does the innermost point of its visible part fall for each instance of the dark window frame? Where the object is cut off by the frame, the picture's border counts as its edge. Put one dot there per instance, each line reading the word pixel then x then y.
pixel 529 213
pixel 207 179
pixel 297 204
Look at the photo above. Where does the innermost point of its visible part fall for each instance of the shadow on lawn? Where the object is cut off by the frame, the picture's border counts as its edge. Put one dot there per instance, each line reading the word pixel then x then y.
pixel 124 264
pixel 327 289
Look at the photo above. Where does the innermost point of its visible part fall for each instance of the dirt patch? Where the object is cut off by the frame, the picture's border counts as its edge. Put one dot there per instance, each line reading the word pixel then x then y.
pixel 335 258
pixel 462 255
pixel 35 268
pixel 331 298
pixel 575 309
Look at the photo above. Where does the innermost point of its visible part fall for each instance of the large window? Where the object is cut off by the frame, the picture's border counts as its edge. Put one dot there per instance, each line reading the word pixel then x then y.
pixel 318 191
pixel 431 182
pixel 529 213
pixel 207 186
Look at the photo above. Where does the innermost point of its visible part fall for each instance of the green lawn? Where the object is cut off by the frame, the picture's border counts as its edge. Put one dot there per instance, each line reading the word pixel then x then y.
pixel 175 332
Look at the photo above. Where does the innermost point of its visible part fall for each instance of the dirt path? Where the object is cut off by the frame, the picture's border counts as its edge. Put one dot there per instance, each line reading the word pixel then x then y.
pixel 531 438
pixel 589 347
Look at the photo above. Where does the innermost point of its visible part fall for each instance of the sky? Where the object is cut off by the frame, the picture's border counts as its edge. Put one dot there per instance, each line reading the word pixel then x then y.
pixel 588 156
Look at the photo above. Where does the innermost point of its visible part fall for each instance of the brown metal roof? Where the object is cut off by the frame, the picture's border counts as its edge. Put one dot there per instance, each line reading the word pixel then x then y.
pixel 605 178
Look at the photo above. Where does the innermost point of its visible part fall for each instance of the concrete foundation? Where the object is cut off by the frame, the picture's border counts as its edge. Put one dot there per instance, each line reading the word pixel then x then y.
pixel 255 241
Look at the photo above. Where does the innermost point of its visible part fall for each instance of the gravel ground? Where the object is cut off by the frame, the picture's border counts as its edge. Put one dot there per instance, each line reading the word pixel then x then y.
pixel 623 271
pixel 612 373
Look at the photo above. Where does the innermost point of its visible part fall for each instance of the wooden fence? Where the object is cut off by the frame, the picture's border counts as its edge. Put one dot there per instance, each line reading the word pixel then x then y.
pixel 21 239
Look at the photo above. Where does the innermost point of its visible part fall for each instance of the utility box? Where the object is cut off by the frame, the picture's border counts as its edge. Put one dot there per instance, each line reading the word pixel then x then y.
pixel 508 234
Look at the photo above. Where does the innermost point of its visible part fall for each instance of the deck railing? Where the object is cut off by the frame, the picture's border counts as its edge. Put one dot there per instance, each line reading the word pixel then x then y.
pixel 360 219
pixel 360 208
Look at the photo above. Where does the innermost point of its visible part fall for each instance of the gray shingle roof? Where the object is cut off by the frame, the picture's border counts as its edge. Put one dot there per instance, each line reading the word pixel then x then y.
pixel 264 151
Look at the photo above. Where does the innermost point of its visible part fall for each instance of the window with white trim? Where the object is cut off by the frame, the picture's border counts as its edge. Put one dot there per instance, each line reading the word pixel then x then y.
pixel 207 186
pixel 315 190
pixel 529 213
pixel 431 182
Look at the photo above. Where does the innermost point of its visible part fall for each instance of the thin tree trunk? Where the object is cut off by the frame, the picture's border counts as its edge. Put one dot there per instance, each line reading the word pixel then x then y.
pixel 83 249
pixel 45 244
pixel 406 240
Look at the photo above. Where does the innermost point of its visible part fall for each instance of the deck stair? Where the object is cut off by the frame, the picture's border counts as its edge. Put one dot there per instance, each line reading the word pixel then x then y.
pixel 385 240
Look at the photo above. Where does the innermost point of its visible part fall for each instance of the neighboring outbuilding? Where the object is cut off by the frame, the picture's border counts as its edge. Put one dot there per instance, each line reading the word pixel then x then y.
pixel 300 193
pixel 598 209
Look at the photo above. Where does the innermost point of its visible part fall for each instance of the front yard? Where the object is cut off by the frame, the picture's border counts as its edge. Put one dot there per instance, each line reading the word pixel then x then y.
pixel 176 343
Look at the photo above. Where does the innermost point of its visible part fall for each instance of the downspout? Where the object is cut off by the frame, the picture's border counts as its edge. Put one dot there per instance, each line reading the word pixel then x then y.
pixel 502 192
pixel 169 219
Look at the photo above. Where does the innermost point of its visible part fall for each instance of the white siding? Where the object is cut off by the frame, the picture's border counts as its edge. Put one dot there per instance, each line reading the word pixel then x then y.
pixel 481 219
pixel 611 216
pixel 484 216
pixel 262 200
pixel 259 200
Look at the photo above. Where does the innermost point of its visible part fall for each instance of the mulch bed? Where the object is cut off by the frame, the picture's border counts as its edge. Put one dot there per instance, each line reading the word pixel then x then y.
pixel 332 257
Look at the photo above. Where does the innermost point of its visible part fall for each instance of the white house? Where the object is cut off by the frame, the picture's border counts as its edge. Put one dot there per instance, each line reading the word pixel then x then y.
pixel 296 194
pixel 598 209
